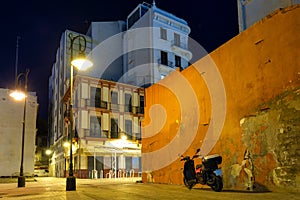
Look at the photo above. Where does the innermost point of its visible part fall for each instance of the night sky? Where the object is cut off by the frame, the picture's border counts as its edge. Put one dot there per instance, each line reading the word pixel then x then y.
pixel 41 23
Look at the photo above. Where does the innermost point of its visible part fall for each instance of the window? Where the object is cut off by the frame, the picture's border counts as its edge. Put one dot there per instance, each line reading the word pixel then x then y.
pixel 95 97
pixel 95 126
pixel 163 33
pixel 135 162
pixel 114 100
pixel 177 39
pixel 177 61
pixel 98 162
pixel 128 161
pixel 128 129
pixel 107 161
pixel 114 97
pixel 164 57
pixel 138 135
pixel 128 102
pixel 142 104
pixel 114 129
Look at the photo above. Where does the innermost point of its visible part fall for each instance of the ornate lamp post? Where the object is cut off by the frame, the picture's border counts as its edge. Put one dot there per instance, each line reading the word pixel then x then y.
pixel 19 95
pixel 81 63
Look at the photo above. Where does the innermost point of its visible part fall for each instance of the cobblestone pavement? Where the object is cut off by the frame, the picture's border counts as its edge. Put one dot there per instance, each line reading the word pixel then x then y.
pixel 55 189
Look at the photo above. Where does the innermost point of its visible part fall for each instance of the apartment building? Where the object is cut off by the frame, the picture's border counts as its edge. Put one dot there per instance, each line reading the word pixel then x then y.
pixel 155 44
pixel 109 99
pixel 146 47
pixel 107 119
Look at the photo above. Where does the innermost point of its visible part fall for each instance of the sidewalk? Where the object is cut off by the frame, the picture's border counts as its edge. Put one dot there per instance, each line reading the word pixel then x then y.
pixel 54 188
pixel 15 180
pixel 125 188
pixel 104 180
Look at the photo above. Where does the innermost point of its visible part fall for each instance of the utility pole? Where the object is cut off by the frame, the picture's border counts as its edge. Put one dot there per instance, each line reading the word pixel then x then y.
pixel 17 56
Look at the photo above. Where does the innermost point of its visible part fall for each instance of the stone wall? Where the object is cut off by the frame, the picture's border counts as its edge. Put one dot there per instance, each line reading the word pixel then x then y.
pixel 271 136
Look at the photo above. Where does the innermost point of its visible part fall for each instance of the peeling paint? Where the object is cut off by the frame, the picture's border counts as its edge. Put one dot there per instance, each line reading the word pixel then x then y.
pixel 272 138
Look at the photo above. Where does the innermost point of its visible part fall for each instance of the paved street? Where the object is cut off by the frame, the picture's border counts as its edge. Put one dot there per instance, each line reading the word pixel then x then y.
pixel 54 188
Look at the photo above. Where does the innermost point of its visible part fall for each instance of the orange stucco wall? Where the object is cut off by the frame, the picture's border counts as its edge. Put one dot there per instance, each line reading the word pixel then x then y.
pixel 255 66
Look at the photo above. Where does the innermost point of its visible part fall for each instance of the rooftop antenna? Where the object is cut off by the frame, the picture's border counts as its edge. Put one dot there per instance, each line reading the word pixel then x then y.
pixel 17 57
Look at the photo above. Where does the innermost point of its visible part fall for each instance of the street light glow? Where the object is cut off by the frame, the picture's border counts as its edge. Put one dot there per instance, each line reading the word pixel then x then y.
pixel 18 95
pixel 124 137
pixel 82 63
pixel 66 144
pixel 48 152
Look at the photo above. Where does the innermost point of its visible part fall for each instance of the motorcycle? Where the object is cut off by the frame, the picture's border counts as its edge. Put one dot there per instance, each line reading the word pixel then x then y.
pixel 207 173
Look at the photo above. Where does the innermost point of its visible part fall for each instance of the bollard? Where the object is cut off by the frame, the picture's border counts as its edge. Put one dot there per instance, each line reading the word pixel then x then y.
pixel 94 174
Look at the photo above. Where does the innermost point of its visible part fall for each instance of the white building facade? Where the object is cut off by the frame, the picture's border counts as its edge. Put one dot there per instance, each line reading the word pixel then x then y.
pixel 155 44
pixel 109 98
pixel 11 128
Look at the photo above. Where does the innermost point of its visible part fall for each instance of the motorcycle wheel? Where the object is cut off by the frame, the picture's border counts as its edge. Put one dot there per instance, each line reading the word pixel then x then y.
pixel 188 184
pixel 185 182
pixel 217 186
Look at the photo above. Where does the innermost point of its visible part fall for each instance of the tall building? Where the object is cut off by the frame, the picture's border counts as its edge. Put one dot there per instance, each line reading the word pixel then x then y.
pixel 251 11
pixel 109 98
pixel 142 50
pixel 11 128
pixel 107 50
pixel 155 44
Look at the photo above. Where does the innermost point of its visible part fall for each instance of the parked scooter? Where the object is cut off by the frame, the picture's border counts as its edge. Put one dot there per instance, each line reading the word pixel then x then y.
pixel 206 173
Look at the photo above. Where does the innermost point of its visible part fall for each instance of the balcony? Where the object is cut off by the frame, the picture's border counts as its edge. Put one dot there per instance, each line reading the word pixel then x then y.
pixel 179 44
pixel 128 108
pixel 115 107
pixel 95 133
pixel 129 136
pixel 96 104
pixel 181 48
pixel 139 110
pixel 114 135
pixel 166 63
pixel 138 136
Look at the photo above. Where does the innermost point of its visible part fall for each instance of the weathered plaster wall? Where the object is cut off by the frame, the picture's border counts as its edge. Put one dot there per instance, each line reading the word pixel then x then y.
pixel 271 136
pixel 256 66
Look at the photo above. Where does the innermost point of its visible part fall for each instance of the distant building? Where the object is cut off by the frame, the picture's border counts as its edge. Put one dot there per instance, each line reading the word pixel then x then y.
pixel 106 44
pixel 41 159
pixel 109 98
pixel 11 127
pixel 251 11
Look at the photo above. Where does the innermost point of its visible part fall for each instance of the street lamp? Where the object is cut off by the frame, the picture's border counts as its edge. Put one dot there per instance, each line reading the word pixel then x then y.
pixel 81 63
pixel 19 95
